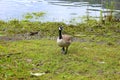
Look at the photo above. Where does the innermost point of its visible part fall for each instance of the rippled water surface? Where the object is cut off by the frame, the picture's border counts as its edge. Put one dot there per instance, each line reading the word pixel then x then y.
pixel 56 10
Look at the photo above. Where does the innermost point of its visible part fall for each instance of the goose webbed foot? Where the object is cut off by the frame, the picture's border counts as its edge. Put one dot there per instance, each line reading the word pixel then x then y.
pixel 63 52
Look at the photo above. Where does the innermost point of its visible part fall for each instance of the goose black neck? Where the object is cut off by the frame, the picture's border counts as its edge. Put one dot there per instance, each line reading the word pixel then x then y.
pixel 60 34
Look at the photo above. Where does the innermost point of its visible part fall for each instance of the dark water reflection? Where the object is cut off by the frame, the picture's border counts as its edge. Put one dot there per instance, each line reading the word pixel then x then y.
pixel 56 10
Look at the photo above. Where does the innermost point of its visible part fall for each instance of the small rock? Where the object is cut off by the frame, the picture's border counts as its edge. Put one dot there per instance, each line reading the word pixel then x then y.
pixel 37 74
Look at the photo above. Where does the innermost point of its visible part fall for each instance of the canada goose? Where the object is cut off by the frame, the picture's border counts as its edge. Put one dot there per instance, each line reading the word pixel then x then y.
pixel 63 41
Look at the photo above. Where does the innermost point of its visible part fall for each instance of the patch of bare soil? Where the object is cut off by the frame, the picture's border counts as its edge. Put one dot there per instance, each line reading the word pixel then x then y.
pixel 16 37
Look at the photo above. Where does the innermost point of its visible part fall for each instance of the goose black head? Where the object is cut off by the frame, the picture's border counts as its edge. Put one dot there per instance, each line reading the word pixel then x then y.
pixel 60 28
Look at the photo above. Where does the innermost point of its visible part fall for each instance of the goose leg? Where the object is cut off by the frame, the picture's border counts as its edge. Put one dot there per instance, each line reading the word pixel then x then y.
pixel 63 50
pixel 66 50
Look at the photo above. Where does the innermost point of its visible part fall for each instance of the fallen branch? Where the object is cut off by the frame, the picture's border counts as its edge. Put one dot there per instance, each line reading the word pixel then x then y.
pixel 10 54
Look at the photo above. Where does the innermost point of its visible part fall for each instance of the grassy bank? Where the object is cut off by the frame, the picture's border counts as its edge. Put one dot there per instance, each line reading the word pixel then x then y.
pixel 91 30
pixel 87 61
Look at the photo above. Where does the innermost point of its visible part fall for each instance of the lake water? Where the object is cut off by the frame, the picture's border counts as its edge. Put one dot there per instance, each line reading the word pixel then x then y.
pixel 56 10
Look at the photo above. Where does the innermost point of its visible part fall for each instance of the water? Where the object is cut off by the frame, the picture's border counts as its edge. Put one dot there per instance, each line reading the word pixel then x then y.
pixel 56 10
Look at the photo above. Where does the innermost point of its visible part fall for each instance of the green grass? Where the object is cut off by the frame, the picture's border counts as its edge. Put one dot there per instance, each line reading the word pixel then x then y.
pixel 96 55
pixel 84 61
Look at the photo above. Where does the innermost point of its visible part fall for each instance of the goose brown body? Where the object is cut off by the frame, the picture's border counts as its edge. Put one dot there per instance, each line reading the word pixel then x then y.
pixel 65 41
